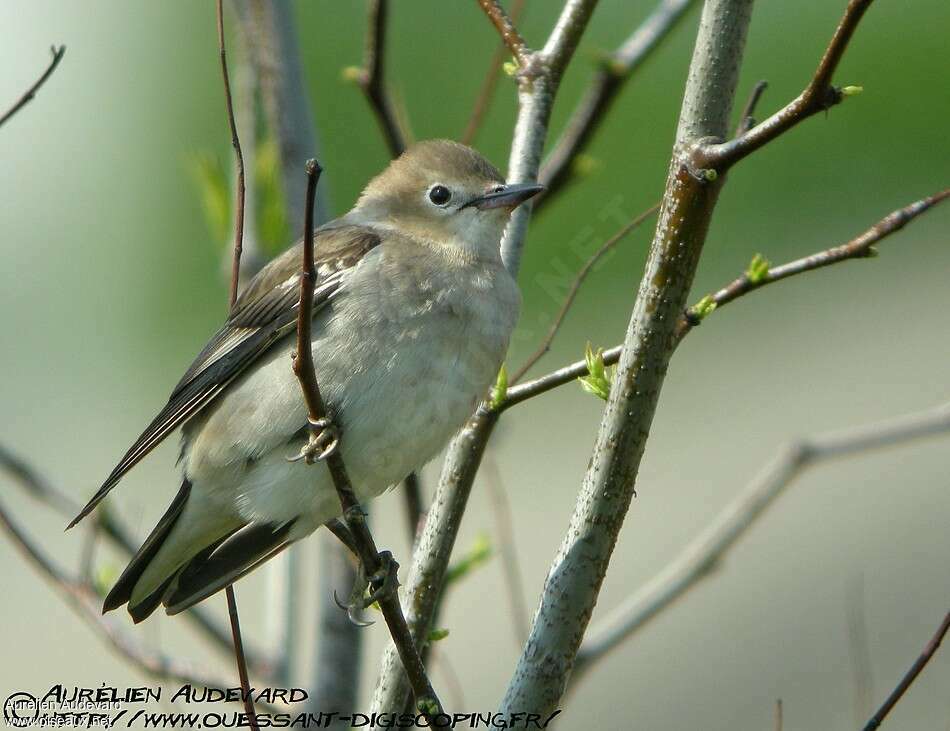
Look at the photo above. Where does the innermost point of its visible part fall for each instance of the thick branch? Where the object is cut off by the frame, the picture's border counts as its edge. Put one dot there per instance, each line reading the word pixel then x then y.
pixel 911 675
pixel 538 83
pixel 574 581
pixel 818 96
pixel 858 247
pixel 612 74
pixel 705 553
pixel 58 54
pixel 426 699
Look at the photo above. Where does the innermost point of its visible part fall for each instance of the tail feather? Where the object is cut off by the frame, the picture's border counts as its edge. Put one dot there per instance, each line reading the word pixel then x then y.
pixel 122 591
pixel 238 554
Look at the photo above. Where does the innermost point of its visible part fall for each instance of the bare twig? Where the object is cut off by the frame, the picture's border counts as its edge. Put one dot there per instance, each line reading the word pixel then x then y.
pixel 487 91
pixel 510 566
pixel 426 700
pixel 613 71
pixel 858 247
pixel 371 78
pixel 607 246
pixel 415 510
pixel 746 120
pixel 779 722
pixel 818 96
pixel 239 161
pixel 859 650
pixel 235 280
pixel 507 30
pixel 706 552
pixel 537 87
pixel 911 675
pixel 31 92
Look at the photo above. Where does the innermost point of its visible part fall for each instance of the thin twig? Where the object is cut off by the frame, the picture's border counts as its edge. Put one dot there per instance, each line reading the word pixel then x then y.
pixel 31 92
pixel 856 248
pixel 371 78
pixel 239 161
pixel 911 675
pixel 232 300
pixel 426 700
pixel 859 650
pixel 612 73
pixel 239 658
pixel 818 96
pixel 779 719
pixel 706 552
pixel 746 120
pixel 607 246
pixel 507 30
pixel 415 510
pixel 487 91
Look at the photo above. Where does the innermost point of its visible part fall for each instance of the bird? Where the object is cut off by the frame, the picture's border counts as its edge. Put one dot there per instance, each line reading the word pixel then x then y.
pixel 413 310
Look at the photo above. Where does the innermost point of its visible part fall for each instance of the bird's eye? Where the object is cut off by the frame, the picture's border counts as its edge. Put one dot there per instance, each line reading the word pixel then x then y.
pixel 440 195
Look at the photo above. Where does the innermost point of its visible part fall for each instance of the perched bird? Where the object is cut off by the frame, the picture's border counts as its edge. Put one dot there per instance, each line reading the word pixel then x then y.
pixel 412 313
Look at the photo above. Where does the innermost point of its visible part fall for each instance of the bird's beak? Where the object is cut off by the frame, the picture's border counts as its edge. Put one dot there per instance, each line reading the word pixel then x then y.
pixel 508 196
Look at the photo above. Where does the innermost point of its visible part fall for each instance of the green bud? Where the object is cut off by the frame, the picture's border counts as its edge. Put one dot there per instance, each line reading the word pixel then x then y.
pixel 702 309
pixel 510 67
pixel 758 269
pixel 500 390
pixel 709 174
pixel 351 74
pixel 598 380
pixel 438 634
pixel 851 90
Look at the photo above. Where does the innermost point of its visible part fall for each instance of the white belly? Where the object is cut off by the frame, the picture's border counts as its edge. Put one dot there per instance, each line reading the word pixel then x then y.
pixel 400 387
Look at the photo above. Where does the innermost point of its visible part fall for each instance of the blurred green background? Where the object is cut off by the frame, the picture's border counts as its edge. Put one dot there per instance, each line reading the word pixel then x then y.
pixel 110 282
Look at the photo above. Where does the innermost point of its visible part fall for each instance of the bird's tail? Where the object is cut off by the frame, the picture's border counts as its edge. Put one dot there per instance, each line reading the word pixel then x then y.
pixel 190 555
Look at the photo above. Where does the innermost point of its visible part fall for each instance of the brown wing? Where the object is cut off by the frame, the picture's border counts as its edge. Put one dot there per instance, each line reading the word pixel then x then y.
pixel 265 312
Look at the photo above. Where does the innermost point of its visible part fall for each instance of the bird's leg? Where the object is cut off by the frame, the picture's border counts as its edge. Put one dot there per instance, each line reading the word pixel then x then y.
pixel 323 440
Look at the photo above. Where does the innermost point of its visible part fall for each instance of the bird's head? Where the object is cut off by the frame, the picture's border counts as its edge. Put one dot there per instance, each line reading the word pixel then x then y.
pixel 444 192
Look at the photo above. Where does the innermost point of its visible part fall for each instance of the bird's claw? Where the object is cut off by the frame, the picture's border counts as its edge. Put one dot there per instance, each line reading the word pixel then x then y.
pixel 323 441
pixel 380 584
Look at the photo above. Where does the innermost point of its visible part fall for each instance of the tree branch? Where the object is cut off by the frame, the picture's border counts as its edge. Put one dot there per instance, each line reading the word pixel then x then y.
pixel 858 247
pixel 538 82
pixel 371 78
pixel 487 91
pixel 58 54
pixel 911 675
pixel 705 553
pixel 506 29
pixel 239 161
pixel 573 583
pixel 606 247
pixel 426 700
pixel 818 96
pixel 612 73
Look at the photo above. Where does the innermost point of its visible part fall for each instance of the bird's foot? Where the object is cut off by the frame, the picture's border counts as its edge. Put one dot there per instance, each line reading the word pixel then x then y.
pixel 323 441
pixel 380 584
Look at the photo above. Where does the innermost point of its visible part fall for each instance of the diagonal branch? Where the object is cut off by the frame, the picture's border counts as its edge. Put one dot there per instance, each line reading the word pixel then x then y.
pixel 818 96
pixel 911 675
pixel 705 553
pixel 507 30
pixel 58 54
pixel 612 74
pixel 858 247
pixel 426 700
pixel 605 248
pixel 371 78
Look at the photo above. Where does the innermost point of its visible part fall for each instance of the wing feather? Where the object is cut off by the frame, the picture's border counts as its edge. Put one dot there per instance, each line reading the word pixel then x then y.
pixel 265 312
